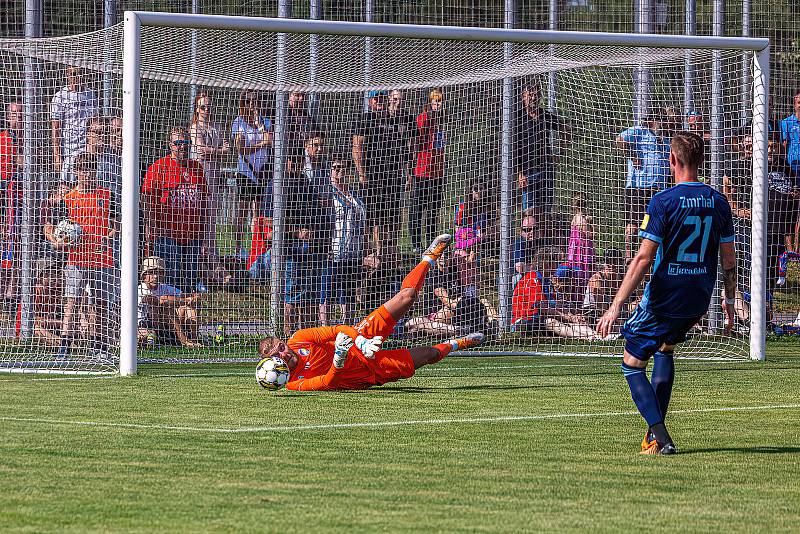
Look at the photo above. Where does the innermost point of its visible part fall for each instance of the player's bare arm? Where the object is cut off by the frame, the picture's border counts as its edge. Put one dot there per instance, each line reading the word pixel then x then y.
pixel 640 265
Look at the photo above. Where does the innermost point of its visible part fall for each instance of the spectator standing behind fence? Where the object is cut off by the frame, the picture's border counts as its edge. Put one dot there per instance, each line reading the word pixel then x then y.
pixel 70 109
pixel 537 132
pixel 344 273
pixel 382 153
pixel 314 198
pixel 428 186
pixel 90 262
pixel 299 126
pixel 175 206
pixel 209 148
pixel 11 164
pixel 790 135
pixel 580 248
pixel 252 137
pixel 737 180
pixel 647 154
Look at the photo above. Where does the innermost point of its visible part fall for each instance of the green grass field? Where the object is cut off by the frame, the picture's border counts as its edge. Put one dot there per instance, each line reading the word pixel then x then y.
pixel 515 444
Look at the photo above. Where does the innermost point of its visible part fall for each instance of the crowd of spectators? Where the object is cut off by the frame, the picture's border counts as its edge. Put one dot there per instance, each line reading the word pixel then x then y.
pixel 343 212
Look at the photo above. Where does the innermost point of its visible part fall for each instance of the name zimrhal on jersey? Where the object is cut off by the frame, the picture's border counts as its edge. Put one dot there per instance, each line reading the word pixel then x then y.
pixel 675 269
pixel 697 202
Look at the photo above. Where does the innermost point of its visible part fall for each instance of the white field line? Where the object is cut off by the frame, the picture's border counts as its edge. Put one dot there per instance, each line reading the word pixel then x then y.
pixel 424 371
pixel 384 424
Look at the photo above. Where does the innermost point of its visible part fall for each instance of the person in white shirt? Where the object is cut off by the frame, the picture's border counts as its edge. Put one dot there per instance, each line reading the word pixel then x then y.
pixel 70 109
pixel 209 148
pixel 344 273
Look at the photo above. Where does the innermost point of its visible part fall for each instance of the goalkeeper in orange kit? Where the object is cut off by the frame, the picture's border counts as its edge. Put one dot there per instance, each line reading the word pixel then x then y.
pixel 350 357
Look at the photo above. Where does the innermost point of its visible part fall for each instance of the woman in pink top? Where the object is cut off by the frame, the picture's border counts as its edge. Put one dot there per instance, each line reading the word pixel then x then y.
pixel 572 276
pixel 580 252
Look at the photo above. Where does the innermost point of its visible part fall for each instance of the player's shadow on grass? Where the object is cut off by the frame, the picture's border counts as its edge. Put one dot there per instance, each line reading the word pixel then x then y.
pixel 745 450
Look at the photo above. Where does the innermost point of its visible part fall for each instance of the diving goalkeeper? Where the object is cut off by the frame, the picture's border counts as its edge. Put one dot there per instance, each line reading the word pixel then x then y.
pixel 346 357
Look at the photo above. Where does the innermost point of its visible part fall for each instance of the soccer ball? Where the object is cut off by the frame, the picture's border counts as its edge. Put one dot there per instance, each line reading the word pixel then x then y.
pixel 68 232
pixel 272 373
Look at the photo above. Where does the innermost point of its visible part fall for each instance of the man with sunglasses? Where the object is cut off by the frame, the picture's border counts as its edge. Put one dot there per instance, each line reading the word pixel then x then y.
pixel 525 247
pixel 350 357
pixel 175 206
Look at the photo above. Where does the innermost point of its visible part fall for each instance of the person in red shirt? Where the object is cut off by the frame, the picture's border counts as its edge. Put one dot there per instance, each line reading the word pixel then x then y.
pixel 11 161
pixel 90 258
pixel 428 175
pixel 350 357
pixel 536 307
pixel 175 205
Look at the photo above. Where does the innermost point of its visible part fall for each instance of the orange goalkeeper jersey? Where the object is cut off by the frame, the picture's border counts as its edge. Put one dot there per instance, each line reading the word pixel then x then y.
pixel 315 371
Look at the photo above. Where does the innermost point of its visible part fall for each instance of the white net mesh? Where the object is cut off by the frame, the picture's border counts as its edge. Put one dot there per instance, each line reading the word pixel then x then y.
pixel 386 145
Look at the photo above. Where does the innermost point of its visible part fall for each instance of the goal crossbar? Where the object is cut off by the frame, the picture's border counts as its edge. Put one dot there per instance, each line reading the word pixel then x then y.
pixel 455 33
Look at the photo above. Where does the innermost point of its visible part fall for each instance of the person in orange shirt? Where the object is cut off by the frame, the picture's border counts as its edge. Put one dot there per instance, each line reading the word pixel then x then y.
pixel 350 357
pixel 90 259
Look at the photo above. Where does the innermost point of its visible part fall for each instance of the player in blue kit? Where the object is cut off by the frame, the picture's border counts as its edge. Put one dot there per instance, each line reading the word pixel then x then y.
pixel 684 231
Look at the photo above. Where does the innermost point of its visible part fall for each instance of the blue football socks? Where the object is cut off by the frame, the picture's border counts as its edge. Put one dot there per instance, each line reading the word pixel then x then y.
pixel 662 378
pixel 643 394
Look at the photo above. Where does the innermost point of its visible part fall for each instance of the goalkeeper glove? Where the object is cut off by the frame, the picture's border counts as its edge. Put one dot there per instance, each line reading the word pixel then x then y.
pixel 369 347
pixel 341 346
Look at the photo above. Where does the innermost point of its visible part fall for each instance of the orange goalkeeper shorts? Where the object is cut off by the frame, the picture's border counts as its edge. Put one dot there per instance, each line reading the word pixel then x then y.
pixel 392 365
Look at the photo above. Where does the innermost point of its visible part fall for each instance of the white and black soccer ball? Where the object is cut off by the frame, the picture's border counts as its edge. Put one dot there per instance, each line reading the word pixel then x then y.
pixel 272 373
pixel 68 232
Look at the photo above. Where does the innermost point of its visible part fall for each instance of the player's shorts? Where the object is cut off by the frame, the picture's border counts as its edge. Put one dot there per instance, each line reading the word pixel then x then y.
pixel 392 365
pixel 96 283
pixel 378 323
pixel 636 200
pixel 645 332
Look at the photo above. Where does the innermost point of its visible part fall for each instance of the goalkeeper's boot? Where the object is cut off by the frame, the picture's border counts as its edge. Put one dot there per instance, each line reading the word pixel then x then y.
pixel 474 339
pixel 438 246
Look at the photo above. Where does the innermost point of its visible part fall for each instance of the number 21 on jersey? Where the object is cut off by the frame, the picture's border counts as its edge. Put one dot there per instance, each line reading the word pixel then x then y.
pixel 700 226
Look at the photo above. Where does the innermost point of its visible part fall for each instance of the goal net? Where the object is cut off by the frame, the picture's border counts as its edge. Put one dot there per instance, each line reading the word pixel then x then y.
pixel 291 180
